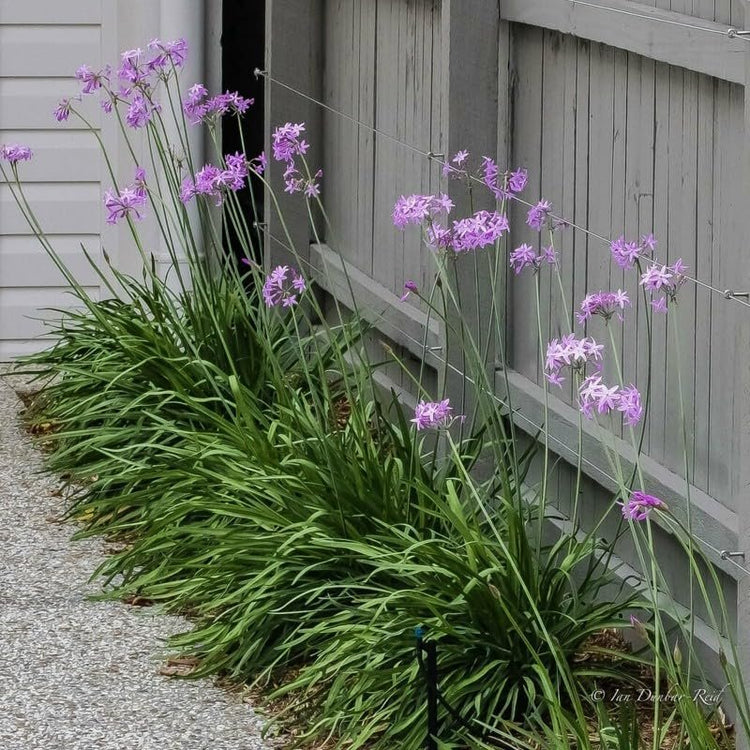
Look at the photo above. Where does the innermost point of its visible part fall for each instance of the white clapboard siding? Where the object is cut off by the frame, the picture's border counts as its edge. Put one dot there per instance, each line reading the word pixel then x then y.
pixel 42 43
pixel 49 12
pixel 64 50
pixel 28 103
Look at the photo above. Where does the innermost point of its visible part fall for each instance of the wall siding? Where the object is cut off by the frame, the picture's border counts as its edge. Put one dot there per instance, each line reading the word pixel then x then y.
pixel 41 45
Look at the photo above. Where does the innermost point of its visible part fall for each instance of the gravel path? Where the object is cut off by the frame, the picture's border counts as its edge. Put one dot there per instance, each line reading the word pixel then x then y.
pixel 77 674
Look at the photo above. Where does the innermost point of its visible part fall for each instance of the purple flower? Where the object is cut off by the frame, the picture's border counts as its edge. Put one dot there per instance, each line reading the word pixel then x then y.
pixel 459 158
pixel 92 80
pixel 523 257
pixel 648 243
pixel 570 352
pixel 62 111
pixel 130 69
pixel 517 180
pixel 312 187
pixel 638 506
pixel 194 106
pixel 288 143
pixel 477 231
pixel 593 394
pixel 549 255
pixel 212 181
pixel 14 152
pixel 409 286
pixel 282 289
pixel 629 403
pixel 437 236
pixel 655 278
pixel 198 108
pixel 416 209
pixel 259 163
pixel 128 201
pixel 140 111
pixel 432 414
pixel 537 215
pixel 490 174
pixel 659 305
pixel 624 253
pixel 666 279
pixel 167 54
pixel 605 304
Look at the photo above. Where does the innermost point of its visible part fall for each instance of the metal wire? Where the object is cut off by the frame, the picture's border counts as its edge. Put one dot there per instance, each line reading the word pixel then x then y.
pixel 535 427
pixel 668 21
pixel 727 294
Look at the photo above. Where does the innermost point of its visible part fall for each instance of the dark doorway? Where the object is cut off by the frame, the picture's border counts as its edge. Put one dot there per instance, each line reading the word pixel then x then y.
pixel 242 51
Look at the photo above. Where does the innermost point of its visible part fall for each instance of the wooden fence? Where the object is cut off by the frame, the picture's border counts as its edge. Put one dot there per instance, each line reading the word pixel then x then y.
pixel 631 119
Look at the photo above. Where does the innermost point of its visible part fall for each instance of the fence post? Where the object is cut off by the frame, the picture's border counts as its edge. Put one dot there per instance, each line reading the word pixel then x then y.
pixel 741 483
pixel 469 86
pixel 294 55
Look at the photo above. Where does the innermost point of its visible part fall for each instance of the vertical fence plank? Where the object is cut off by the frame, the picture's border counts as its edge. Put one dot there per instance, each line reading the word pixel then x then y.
pixel 294 47
pixel 742 389
pixel 662 186
pixel 528 116
pixel 469 88
pixel 721 375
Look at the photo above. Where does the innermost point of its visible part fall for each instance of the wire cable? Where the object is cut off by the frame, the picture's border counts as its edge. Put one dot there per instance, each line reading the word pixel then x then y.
pixel 657 19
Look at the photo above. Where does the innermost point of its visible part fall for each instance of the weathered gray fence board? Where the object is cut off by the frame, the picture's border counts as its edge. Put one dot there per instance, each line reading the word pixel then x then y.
pixel 639 30
pixel 704 297
pixel 294 57
pixel 526 152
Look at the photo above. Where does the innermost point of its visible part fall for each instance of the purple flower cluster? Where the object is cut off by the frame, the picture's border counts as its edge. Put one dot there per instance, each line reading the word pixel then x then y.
pixel 416 209
pixel 288 143
pixel 128 201
pixel 213 182
pixel 477 231
pixel 92 80
pixel 594 396
pixel 570 352
pixel 136 78
pixel 525 256
pixel 198 107
pixel 282 287
pixel 664 279
pixel 14 152
pixel 455 171
pixel 638 506
pixel 137 67
pixel 432 414
pixel 538 214
pixel 626 253
pixel 167 54
pixel 140 110
pixel 605 304
pixel 513 182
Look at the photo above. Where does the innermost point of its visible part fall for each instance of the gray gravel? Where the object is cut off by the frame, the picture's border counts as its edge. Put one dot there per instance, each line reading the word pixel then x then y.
pixel 77 674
